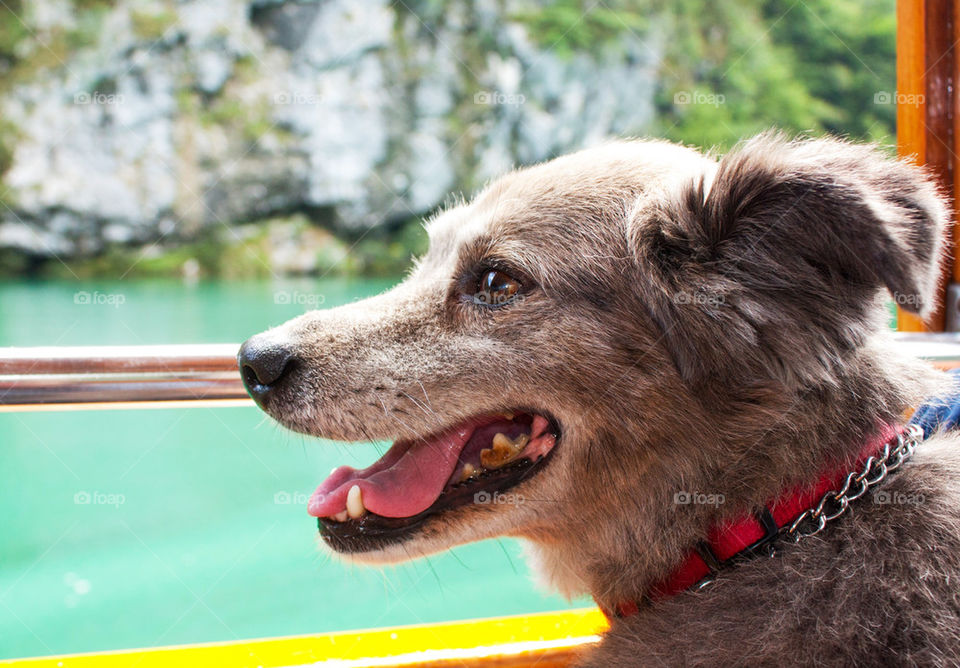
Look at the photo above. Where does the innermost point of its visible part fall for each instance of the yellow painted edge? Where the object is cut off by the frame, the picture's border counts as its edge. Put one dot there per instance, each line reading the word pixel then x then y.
pixel 480 637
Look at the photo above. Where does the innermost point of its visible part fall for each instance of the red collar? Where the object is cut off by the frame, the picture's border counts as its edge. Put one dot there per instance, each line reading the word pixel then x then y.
pixel 733 537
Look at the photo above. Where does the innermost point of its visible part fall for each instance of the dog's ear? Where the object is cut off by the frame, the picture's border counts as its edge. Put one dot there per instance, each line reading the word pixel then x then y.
pixel 789 241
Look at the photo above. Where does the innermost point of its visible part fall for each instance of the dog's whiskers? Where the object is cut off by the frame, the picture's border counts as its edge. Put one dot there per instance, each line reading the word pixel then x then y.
pixel 393 416
pixel 428 412
pixel 425 395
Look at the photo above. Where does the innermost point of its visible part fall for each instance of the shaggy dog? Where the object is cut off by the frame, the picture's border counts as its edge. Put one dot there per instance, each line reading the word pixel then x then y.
pixel 617 354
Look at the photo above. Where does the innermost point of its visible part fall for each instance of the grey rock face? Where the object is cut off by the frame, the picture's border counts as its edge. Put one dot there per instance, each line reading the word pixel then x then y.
pixel 181 116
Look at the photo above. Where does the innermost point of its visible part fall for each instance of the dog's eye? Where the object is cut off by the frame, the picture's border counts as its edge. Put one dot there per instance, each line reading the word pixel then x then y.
pixel 496 288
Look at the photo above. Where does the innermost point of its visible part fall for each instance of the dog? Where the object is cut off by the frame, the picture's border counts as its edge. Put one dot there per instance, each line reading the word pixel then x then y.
pixel 624 354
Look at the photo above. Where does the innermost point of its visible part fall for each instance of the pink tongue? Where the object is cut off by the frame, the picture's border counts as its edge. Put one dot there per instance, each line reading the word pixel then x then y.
pixel 404 482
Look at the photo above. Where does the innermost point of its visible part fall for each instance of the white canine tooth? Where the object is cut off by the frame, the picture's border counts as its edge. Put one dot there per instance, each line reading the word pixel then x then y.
pixel 355 507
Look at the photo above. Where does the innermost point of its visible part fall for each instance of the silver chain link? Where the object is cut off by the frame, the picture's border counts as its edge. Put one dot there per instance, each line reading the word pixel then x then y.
pixel 834 503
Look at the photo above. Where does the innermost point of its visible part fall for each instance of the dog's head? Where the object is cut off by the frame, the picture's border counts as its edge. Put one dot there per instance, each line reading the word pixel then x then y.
pixel 591 335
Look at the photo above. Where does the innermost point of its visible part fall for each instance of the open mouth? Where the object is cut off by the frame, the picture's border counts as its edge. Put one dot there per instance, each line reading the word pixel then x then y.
pixel 465 464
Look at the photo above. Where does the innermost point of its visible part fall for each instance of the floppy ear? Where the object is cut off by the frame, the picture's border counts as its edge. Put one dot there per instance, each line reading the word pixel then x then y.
pixel 790 244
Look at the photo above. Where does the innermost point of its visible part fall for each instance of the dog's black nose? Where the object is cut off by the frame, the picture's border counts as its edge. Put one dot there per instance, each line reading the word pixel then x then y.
pixel 263 364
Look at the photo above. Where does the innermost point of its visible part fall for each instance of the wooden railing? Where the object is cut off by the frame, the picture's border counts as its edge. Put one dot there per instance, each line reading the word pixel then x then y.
pixel 98 377
pixel 927 115
pixel 119 376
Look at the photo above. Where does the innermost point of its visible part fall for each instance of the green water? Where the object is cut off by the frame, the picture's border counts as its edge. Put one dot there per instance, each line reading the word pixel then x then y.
pixel 196 528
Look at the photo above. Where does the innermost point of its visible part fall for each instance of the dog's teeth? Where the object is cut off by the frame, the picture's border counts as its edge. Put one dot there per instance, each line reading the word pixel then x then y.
pixel 468 472
pixel 341 516
pixel 489 460
pixel 503 451
pixel 355 507
pixel 508 415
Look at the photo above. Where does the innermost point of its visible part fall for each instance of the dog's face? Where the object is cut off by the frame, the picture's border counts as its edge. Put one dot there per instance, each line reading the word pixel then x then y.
pixel 534 368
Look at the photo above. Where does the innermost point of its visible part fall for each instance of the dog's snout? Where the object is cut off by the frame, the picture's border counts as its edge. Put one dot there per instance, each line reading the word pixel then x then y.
pixel 263 365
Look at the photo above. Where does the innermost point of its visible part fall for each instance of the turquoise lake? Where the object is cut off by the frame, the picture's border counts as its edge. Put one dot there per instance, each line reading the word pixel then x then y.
pixel 198 528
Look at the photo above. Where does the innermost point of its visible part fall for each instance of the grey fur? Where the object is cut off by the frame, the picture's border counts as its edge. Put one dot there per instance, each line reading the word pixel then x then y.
pixel 694 325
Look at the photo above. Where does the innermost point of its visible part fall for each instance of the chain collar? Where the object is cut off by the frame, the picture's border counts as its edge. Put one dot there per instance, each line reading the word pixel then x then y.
pixel 772 527
pixel 834 503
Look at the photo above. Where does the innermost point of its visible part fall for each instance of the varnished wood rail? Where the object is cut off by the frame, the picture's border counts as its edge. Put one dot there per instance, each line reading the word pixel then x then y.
pixel 119 377
pixel 74 378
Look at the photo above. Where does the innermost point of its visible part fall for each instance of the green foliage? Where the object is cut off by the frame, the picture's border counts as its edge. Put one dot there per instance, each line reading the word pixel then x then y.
pixel 745 65
pixel 385 253
pixel 807 67
pixel 246 69
pixel 13 263
pixel 224 111
pixel 12 31
pixel 569 27
pixel 8 139
pixel 250 121
pixel 88 28
pixel 150 25
pixel 243 254
pixel 24 53
pixel 88 5
pixel 147 262
pixel 845 54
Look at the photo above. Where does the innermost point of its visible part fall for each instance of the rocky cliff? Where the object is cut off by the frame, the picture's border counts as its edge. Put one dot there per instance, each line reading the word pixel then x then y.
pixel 151 122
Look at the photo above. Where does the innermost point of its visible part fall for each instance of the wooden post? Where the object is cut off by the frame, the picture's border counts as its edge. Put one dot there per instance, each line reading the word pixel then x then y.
pixel 928 110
